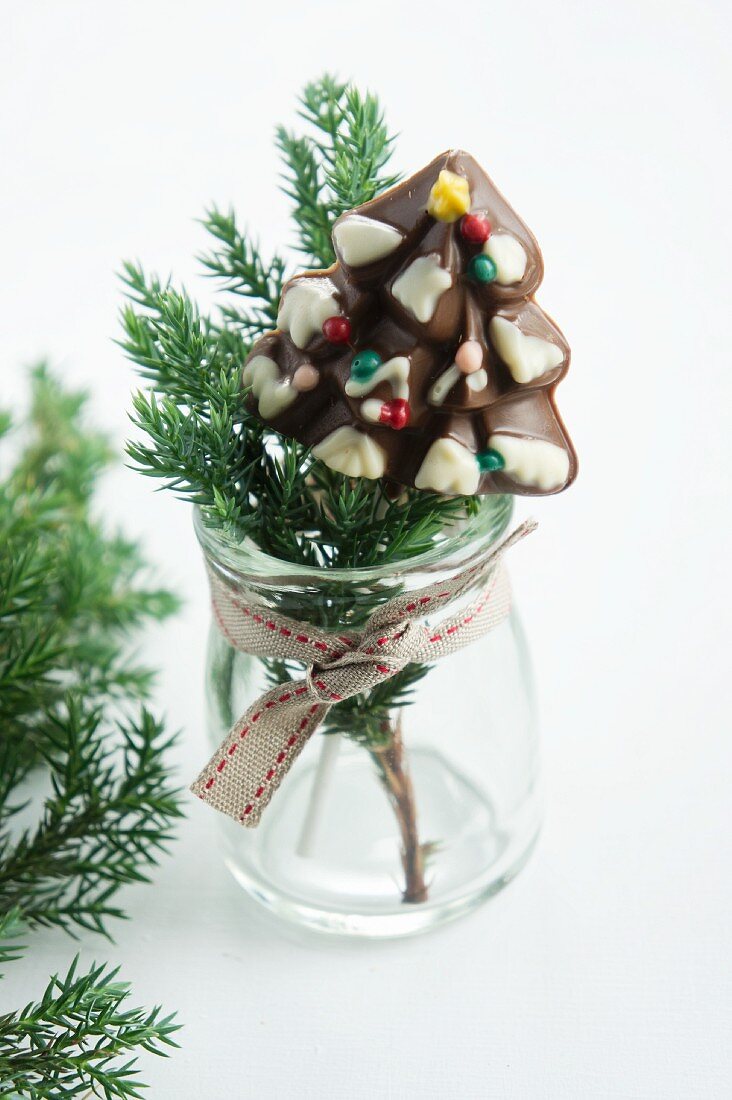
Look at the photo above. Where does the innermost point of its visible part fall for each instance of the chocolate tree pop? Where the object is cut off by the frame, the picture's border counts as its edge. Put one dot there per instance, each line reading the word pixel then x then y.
pixel 421 355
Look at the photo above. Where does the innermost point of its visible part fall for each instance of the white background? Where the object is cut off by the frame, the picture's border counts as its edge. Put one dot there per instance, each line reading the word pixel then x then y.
pixel 603 971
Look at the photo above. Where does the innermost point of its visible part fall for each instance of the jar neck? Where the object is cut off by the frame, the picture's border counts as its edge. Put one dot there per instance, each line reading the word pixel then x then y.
pixel 334 597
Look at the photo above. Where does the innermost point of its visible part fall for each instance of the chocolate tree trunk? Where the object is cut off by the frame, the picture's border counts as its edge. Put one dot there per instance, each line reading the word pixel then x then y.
pixel 394 774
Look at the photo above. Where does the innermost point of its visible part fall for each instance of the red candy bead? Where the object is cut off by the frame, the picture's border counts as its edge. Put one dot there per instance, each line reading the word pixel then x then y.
pixel 475 228
pixel 337 330
pixel 395 413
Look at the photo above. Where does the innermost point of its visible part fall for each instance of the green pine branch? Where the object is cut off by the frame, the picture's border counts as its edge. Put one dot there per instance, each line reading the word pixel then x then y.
pixel 338 164
pixel 11 932
pixel 80 1038
pixel 71 593
pixel 303 183
pixel 237 262
pixel 106 821
pixel 72 596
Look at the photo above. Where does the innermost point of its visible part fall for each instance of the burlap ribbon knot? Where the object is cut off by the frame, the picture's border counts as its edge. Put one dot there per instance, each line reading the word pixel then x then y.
pixel 249 765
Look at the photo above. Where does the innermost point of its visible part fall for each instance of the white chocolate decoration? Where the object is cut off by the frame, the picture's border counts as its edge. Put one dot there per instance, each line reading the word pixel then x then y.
pixel 527 357
pixel 477 380
pixel 306 377
pixel 420 286
pixel 304 307
pixel 351 452
pixel 440 389
pixel 469 357
pixel 371 410
pixel 359 240
pixel 509 257
pixel 532 461
pixel 395 371
pixel 448 467
pixel 273 395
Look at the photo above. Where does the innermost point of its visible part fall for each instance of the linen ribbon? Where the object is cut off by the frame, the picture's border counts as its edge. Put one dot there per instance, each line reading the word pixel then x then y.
pixel 249 765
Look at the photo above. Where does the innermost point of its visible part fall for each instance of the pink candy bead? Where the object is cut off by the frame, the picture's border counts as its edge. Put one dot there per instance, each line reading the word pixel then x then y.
pixel 469 357
pixel 306 377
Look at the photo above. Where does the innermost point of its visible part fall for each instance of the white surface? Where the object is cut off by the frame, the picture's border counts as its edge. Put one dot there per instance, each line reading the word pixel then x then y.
pixel 604 970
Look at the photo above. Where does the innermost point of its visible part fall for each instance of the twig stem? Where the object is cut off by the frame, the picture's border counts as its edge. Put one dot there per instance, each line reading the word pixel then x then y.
pixel 394 774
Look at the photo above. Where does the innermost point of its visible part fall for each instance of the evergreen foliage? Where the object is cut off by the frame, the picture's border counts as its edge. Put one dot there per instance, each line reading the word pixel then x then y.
pixel 72 704
pixel 79 1039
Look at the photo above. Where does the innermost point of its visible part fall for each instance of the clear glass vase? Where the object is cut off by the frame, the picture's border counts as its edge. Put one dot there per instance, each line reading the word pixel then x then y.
pixel 401 819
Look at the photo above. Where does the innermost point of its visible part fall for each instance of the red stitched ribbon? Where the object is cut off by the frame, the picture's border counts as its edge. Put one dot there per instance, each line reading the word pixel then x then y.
pixel 249 765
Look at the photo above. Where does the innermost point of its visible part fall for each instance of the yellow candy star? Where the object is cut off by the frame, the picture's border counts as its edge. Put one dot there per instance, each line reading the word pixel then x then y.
pixel 449 198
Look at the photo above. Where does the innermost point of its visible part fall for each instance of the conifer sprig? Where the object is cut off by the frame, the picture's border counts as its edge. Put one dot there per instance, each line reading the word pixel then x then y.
pixel 108 817
pixel 11 934
pixel 71 595
pixel 238 263
pixel 79 1039
pixel 336 165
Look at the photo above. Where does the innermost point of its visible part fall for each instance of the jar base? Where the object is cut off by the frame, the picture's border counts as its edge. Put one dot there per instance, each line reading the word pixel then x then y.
pixel 350 882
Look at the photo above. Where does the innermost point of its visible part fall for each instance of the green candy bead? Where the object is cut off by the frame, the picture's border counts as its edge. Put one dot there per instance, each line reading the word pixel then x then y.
pixel 481 269
pixel 489 461
pixel 364 365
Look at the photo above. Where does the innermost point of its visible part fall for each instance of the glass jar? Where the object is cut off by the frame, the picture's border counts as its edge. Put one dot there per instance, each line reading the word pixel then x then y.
pixel 393 820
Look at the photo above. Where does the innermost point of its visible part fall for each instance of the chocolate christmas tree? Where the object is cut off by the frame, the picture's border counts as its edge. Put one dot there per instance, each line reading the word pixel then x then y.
pixel 421 355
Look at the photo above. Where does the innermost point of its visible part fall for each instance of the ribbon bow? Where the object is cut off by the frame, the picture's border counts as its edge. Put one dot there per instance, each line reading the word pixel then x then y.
pixel 249 765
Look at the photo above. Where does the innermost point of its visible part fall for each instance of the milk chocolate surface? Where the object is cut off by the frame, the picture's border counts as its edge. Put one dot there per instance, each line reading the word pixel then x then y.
pixel 421 355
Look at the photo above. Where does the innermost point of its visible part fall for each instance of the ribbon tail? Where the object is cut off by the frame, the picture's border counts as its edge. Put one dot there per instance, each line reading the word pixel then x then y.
pixel 257 753
pixel 526 528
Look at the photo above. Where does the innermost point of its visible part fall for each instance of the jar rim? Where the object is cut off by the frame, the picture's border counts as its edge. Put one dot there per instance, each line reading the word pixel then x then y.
pixel 247 559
